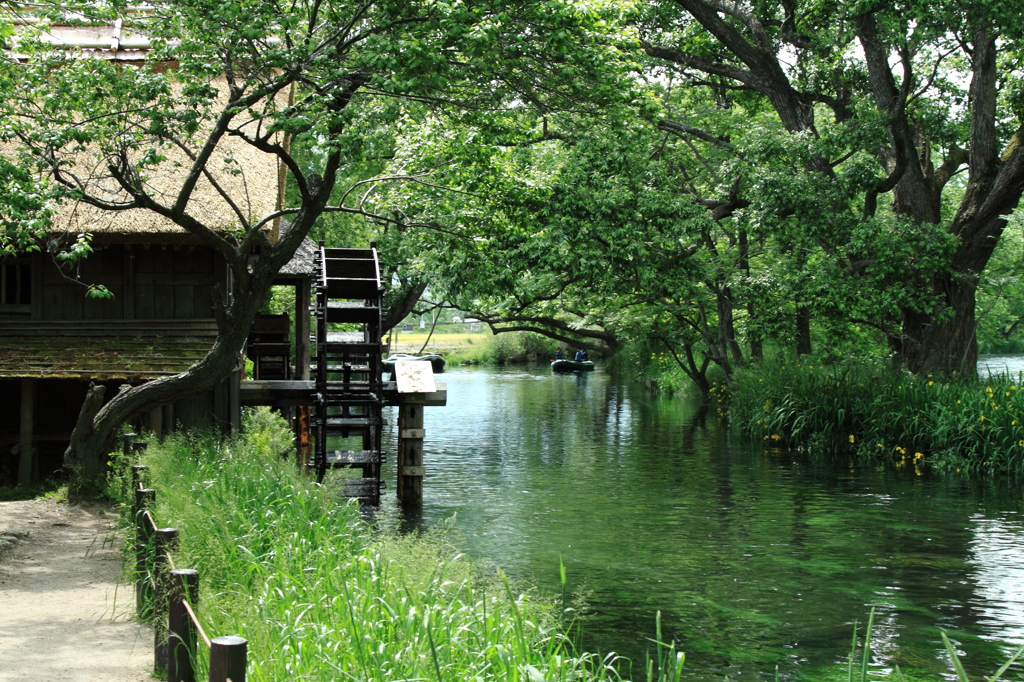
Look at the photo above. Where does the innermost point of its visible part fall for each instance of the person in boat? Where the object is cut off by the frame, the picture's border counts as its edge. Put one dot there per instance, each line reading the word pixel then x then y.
pixel 581 355
pixel 558 354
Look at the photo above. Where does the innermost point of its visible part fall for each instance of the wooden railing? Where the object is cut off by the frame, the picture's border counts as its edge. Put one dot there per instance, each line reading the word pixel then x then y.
pixel 167 596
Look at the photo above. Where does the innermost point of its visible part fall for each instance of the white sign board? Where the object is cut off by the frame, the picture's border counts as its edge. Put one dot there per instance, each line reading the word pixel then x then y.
pixel 414 376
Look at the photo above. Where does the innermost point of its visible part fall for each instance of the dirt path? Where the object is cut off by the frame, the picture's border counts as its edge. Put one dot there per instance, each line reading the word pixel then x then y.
pixel 65 614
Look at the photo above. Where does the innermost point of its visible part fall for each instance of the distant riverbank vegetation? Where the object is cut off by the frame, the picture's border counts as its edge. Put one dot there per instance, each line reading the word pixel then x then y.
pixel 874 412
pixel 477 348
pixel 867 410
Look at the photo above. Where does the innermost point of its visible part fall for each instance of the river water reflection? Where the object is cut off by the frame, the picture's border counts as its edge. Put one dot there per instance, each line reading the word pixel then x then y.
pixel 754 558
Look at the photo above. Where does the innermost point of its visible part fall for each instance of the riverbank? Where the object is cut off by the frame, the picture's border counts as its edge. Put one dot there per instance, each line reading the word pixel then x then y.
pixel 317 590
pixel 869 411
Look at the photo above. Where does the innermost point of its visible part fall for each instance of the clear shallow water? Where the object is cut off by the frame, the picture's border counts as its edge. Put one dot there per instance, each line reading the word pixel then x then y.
pixel 1011 365
pixel 754 558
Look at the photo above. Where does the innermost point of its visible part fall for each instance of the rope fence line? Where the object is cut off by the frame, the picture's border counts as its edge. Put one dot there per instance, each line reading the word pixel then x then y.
pixel 166 596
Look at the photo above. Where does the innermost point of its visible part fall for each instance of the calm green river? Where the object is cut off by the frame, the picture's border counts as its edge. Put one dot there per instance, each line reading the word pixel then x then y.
pixel 755 559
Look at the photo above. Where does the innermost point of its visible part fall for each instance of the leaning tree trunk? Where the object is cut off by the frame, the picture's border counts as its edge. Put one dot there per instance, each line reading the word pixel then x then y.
pixel 94 435
pixel 84 465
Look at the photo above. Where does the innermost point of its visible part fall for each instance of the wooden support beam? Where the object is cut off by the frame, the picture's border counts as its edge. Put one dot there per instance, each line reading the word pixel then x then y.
pixel 303 294
pixel 410 453
pixel 27 427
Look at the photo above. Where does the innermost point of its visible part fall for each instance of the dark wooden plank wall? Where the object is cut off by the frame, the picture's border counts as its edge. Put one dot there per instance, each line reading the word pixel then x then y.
pixel 148 282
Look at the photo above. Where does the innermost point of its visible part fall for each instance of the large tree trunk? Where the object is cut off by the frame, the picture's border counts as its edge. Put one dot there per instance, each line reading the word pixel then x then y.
pixel 948 347
pixel 946 343
pixel 402 302
pixel 80 458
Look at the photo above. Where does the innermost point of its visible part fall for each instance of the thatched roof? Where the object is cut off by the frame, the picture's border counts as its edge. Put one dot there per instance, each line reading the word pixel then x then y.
pixel 302 263
pixel 250 179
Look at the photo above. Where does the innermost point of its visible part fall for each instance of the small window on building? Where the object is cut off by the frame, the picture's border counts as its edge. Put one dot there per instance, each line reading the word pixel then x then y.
pixel 15 286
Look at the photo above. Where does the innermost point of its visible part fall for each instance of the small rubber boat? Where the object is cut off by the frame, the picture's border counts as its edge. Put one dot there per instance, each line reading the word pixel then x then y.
pixel 569 366
pixel 436 361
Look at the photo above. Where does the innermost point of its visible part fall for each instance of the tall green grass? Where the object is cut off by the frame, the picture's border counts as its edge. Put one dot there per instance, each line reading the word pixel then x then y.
pixel 875 412
pixel 322 595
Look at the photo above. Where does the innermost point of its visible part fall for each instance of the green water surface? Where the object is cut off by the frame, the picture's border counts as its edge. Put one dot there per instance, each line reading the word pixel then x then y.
pixel 756 559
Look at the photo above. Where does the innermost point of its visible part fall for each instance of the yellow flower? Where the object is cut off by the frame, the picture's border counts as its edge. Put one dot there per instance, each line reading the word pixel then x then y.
pixel 853 439
pixel 918 456
pixel 1020 444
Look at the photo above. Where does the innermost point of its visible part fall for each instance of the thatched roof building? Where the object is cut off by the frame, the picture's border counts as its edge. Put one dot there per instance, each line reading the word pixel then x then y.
pixel 54 339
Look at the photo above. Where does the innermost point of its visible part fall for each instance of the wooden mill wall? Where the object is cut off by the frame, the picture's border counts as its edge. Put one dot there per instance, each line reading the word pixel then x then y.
pixel 151 283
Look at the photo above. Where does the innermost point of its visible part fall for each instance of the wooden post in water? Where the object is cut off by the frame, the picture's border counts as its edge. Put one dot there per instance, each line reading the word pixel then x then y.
pixel 227 659
pixel 182 638
pixel 410 453
pixel 414 389
pixel 166 541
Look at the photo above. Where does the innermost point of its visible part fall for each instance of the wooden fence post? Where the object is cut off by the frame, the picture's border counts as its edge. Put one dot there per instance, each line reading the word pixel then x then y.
pixel 144 497
pixel 126 442
pixel 166 541
pixel 138 471
pixel 228 659
pixel 182 639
